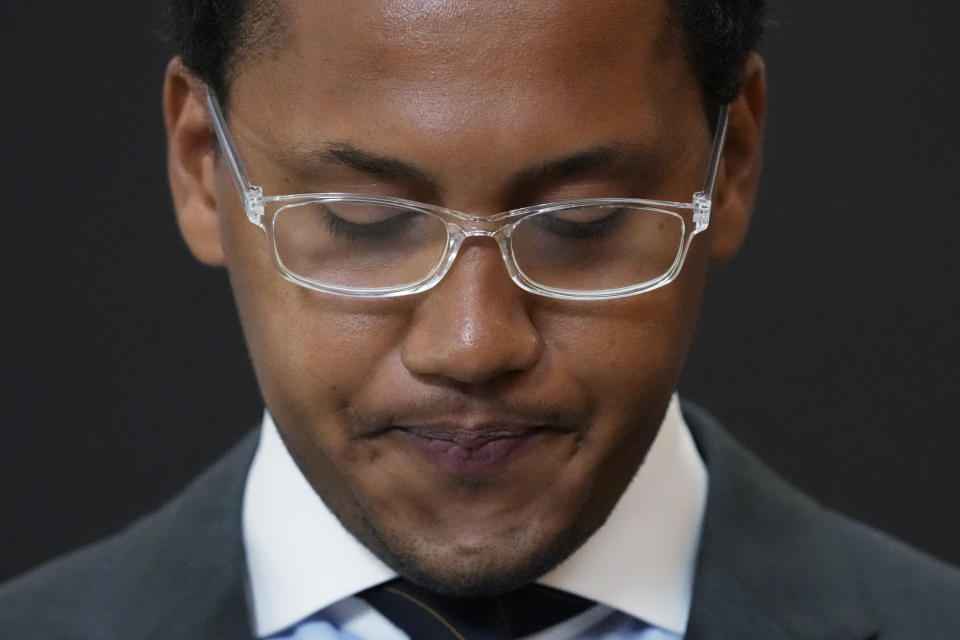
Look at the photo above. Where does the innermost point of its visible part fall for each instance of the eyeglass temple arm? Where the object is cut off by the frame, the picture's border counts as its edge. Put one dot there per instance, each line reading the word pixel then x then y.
pixel 703 200
pixel 719 139
pixel 250 194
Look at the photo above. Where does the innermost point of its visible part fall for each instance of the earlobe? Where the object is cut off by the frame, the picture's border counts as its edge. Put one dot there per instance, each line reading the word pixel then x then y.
pixel 190 163
pixel 740 165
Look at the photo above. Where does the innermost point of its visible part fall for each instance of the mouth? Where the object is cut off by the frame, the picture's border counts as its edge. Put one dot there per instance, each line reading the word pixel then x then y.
pixel 471 451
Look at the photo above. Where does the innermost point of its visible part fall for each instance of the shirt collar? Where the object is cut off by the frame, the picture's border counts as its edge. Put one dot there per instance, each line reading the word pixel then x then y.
pixel 640 561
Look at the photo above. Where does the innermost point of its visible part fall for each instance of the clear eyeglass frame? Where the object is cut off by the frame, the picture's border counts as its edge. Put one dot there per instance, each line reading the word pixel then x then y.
pixel 461 226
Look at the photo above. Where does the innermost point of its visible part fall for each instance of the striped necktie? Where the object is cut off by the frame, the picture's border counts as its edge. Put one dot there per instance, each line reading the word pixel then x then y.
pixel 424 615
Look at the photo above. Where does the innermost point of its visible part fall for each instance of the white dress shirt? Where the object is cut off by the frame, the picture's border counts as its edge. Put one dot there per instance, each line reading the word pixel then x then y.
pixel 638 566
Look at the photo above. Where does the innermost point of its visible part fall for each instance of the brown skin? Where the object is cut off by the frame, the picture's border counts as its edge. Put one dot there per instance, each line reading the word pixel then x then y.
pixel 472 94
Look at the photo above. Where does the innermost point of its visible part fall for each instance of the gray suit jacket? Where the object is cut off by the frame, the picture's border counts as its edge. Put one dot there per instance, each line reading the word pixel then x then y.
pixel 773 565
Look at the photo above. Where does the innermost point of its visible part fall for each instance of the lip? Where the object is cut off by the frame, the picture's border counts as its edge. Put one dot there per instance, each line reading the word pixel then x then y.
pixel 464 452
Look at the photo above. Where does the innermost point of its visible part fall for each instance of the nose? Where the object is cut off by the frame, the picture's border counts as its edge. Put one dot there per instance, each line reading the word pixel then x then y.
pixel 474 325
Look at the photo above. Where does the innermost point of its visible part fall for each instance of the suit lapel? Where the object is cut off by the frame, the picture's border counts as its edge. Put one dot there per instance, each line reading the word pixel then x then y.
pixel 193 582
pixel 771 563
pixel 725 608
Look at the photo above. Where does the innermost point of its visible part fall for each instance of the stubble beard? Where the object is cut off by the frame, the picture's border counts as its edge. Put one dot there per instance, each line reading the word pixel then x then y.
pixel 505 565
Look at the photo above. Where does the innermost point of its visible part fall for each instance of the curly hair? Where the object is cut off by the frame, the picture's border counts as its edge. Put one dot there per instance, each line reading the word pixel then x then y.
pixel 212 35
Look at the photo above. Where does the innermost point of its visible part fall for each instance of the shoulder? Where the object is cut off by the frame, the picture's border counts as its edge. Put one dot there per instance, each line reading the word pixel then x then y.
pixel 125 586
pixel 809 570
pixel 909 588
pixel 67 590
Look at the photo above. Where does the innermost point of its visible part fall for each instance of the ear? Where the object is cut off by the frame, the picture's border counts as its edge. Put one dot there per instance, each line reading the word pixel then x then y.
pixel 190 163
pixel 740 164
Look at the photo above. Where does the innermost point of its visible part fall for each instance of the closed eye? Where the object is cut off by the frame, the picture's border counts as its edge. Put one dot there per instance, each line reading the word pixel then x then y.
pixel 582 224
pixel 385 228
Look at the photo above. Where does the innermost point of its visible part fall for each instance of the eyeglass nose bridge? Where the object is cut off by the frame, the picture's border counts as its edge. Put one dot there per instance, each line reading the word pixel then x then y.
pixel 480 233
pixel 475 227
pixel 459 231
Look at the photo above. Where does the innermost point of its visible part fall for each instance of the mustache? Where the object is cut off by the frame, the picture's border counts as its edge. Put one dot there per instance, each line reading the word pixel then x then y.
pixel 452 416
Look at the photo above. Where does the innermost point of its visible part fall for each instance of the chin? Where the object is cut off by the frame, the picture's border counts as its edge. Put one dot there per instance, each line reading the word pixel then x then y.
pixel 480 567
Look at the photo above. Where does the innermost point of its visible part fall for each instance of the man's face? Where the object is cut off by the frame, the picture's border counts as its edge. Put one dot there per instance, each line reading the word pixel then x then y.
pixel 475 434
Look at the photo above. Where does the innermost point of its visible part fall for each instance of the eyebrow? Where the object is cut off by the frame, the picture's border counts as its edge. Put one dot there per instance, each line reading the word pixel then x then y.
pixel 379 166
pixel 621 156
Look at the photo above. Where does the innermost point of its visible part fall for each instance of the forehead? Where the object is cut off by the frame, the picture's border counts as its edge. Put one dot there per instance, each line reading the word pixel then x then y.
pixel 456 40
pixel 468 87
pixel 463 44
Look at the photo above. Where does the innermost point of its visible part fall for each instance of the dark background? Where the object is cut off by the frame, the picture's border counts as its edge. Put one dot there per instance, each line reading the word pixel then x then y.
pixel 829 346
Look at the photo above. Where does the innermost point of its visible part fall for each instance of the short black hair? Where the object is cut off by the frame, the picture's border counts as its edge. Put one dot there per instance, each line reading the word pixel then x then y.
pixel 720 36
pixel 212 35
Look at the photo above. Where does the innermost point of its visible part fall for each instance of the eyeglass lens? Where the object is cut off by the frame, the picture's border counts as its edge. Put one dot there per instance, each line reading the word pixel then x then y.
pixel 583 248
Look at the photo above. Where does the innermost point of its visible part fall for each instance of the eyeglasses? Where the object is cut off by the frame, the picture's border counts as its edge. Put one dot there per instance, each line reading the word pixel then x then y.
pixel 371 246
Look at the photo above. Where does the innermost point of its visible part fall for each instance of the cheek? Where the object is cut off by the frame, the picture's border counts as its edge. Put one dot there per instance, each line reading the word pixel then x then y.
pixel 311 352
pixel 626 349
pixel 317 360
pixel 627 357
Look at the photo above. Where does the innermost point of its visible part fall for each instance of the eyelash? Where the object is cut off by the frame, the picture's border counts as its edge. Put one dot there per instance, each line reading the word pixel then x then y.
pixel 375 231
pixel 592 230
